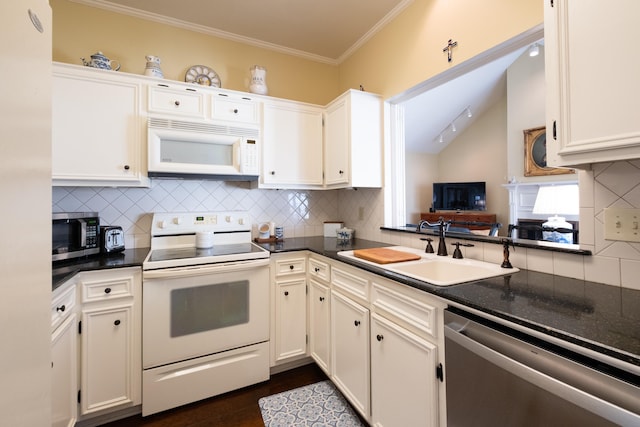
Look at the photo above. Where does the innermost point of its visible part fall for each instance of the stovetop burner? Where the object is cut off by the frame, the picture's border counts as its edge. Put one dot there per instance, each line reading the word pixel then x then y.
pixel 173 241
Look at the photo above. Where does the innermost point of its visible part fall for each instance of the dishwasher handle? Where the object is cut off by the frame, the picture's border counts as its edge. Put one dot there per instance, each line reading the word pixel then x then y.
pixel 469 335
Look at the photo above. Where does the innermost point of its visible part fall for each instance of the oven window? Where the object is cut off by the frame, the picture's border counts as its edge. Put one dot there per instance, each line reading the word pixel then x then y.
pixel 205 308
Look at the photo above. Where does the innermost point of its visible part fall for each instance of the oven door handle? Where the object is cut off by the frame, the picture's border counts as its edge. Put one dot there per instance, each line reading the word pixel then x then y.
pixel 199 270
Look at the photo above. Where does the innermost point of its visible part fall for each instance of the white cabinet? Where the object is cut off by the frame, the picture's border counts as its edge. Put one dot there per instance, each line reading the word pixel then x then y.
pixel 292 145
pixel 407 348
pixel 234 108
pixel 64 365
pixel 110 368
pixel 353 141
pixel 350 350
pixel 591 66
pixel 289 318
pixel 350 335
pixel 176 100
pixel 319 313
pixel 403 376
pixel 98 134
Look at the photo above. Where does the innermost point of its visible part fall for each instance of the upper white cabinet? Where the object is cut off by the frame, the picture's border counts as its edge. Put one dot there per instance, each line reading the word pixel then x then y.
pixel 98 134
pixel 592 65
pixel 292 145
pixel 234 108
pixel 176 100
pixel 353 141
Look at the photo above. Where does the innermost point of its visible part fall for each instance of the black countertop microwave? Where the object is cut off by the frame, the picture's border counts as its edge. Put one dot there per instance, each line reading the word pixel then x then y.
pixel 75 234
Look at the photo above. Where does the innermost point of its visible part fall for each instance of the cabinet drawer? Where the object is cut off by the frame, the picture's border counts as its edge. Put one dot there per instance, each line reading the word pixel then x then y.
pixel 185 102
pixel 224 107
pixel 62 304
pixel 290 266
pixel 407 310
pixel 354 285
pixel 97 289
pixel 319 269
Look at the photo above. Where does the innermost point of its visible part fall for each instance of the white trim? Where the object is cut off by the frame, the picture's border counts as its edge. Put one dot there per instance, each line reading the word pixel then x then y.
pixel 395 205
pixel 150 16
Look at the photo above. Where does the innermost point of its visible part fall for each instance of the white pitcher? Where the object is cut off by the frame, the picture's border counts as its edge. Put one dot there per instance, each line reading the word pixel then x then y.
pixel 258 80
pixel 153 67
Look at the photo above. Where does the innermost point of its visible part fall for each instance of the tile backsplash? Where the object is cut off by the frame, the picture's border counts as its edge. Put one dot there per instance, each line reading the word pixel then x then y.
pixel 301 212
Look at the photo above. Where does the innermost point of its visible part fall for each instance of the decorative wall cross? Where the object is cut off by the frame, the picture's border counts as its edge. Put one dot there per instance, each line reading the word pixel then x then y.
pixel 449 48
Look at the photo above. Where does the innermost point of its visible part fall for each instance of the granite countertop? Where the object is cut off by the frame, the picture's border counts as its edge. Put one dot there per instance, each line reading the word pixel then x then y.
pixel 64 270
pixel 599 317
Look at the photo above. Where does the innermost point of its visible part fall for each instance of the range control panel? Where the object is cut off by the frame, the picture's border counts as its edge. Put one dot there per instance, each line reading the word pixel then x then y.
pixel 173 223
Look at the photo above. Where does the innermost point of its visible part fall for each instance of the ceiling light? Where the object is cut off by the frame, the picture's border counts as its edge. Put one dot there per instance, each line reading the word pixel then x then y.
pixel 534 50
pixel 453 127
pixel 469 115
pixel 441 140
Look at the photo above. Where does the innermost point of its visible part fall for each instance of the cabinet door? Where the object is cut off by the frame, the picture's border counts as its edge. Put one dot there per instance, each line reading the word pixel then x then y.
pixel 353 140
pixel 107 358
pixel 403 381
pixel 336 143
pixel 350 351
pixel 591 66
pixel 292 145
pixel 64 383
pixel 291 319
pixel 97 132
pixel 319 316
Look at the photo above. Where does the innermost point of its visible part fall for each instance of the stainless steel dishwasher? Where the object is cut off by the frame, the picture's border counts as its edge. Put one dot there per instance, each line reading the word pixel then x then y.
pixel 498 376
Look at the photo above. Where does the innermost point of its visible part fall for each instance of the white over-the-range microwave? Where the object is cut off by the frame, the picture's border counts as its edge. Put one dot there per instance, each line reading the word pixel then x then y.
pixel 202 149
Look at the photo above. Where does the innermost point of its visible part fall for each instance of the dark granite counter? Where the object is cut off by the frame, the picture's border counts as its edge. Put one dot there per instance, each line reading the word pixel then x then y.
pixel 64 270
pixel 599 317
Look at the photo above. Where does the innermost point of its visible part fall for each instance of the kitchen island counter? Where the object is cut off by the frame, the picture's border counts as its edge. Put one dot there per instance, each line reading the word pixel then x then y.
pixel 602 318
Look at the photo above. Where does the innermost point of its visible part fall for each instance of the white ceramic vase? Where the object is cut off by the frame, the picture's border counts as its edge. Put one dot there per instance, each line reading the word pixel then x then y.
pixel 258 83
pixel 153 67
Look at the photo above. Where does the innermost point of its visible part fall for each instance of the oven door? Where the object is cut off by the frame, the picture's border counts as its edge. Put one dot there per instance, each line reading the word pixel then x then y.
pixel 195 311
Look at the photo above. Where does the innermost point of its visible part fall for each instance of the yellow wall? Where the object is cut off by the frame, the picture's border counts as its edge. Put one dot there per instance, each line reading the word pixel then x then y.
pixel 406 52
pixel 79 31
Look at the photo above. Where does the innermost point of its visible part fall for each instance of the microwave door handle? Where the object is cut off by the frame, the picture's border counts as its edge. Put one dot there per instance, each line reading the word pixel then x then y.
pixel 83 233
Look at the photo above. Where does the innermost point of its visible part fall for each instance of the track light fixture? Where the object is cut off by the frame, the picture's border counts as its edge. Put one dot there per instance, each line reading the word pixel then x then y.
pixel 451 127
pixel 534 50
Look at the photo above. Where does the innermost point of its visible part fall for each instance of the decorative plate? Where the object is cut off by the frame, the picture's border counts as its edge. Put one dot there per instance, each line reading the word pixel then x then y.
pixel 202 75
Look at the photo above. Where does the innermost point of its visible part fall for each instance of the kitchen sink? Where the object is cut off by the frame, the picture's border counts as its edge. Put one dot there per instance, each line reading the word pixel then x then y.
pixel 438 270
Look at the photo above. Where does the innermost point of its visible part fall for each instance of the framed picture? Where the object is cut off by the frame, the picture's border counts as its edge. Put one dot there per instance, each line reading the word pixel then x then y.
pixel 535 154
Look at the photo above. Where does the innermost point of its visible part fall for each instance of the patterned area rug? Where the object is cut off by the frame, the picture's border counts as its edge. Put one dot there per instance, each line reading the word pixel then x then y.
pixel 315 405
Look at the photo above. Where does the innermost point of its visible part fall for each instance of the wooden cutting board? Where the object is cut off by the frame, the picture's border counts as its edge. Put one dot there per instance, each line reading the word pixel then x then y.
pixel 384 255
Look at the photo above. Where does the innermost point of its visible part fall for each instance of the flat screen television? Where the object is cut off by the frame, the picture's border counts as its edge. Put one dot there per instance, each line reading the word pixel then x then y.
pixel 459 196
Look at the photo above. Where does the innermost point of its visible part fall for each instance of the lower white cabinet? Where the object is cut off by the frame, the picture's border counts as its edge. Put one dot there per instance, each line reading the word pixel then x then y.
pixel 111 366
pixel 403 376
pixel 350 350
pixel 319 317
pixel 289 308
pixel 64 350
pixel 291 319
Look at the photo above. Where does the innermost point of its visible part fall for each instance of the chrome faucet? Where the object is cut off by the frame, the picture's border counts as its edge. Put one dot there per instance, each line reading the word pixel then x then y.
pixel 442 226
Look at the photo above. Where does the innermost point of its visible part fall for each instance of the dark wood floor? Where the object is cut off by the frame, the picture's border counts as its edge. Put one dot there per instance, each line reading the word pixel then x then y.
pixel 234 409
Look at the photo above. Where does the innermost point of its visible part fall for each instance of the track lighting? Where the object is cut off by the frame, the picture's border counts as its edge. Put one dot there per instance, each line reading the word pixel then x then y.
pixel 534 50
pixel 451 127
